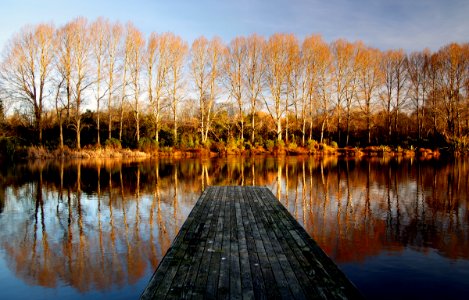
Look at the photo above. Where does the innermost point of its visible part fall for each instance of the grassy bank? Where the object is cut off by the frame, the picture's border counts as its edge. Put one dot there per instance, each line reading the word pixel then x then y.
pixel 319 150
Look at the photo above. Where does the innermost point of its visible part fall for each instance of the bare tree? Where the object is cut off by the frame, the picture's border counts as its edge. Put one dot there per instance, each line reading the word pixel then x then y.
pixel 100 31
pixel 254 72
pixel 344 77
pixel 234 68
pixel 454 59
pixel 112 47
pixel 387 68
pixel 316 58
pixel 392 65
pixel 292 75
pixel 158 53
pixel 135 44
pixel 276 60
pixel 435 94
pixel 27 67
pixel 64 65
pixel 417 70
pixel 80 72
pixel 150 58
pixel 400 72
pixel 125 54
pixel 370 79
pixel 176 56
pixel 206 58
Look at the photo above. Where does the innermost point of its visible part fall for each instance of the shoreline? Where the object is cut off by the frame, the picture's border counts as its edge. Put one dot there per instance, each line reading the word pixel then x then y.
pixel 38 153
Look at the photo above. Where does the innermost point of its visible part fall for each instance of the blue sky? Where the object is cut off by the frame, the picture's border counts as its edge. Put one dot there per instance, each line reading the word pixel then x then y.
pixel 407 24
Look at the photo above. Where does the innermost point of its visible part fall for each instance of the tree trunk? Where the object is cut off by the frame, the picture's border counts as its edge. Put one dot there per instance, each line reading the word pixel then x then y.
pixel 368 128
pixel 348 127
pixel 175 128
pixel 242 123
pixel 61 132
pixel 253 128
pixel 279 129
pixel 39 123
pixel 77 130
pixel 338 125
pixel 110 114
pixel 97 124
pixel 286 120
pixel 121 121
pixel 322 130
pixel 137 121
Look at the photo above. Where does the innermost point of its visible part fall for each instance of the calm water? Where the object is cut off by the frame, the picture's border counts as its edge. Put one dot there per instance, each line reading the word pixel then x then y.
pixel 397 228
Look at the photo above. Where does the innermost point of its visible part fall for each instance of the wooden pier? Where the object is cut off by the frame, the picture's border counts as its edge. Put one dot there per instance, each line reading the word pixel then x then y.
pixel 241 243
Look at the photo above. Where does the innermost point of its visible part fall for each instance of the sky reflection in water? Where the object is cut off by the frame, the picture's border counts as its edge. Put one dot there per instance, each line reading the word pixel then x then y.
pixel 99 228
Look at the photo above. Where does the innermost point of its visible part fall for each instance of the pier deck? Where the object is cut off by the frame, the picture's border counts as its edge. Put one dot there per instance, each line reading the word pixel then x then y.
pixel 241 243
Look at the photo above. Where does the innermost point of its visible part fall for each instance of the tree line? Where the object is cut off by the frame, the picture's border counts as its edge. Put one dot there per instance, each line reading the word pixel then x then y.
pixel 111 82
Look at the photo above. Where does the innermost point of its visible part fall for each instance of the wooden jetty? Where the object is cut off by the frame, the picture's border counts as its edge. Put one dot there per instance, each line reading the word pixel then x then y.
pixel 241 243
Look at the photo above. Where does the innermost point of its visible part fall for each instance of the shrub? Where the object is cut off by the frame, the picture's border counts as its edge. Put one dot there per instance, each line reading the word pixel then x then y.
pixel 269 145
pixel 167 149
pixel 187 141
pixel 113 143
pixel 280 144
pixel 313 145
pixel 334 144
pixel 231 144
pixel 207 144
pixel 292 146
pixel 146 144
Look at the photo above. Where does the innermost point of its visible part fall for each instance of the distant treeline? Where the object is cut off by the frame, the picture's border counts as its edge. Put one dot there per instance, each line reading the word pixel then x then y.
pixel 93 83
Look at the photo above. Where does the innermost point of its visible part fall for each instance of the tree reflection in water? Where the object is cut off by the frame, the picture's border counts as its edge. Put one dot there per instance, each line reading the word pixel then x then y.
pixel 105 225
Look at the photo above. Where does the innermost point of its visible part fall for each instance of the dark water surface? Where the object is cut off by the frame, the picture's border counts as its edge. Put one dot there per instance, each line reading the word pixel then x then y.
pixel 98 229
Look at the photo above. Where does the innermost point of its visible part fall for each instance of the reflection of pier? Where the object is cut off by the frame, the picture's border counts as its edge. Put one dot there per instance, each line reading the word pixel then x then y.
pixel 241 242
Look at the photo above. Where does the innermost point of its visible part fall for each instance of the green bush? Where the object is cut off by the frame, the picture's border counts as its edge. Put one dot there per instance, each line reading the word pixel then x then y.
pixel 187 141
pixel 292 146
pixel 147 144
pixel 167 149
pixel 269 145
pixel 113 143
pixel 280 144
pixel 334 144
pixel 207 144
pixel 313 145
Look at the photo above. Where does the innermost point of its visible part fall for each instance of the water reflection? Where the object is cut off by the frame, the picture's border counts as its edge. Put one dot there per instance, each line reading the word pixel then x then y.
pixel 105 225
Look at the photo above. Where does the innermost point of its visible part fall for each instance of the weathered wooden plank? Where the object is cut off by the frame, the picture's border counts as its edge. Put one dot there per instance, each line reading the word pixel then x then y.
pixel 200 288
pixel 329 281
pixel 223 291
pixel 268 240
pixel 166 267
pixel 214 268
pixel 249 260
pixel 271 218
pixel 295 258
pixel 241 242
pixel 244 267
pixel 270 288
pixel 185 284
pixel 235 268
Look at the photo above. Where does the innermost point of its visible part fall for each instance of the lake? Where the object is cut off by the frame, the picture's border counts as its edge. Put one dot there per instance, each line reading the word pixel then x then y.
pixel 398 228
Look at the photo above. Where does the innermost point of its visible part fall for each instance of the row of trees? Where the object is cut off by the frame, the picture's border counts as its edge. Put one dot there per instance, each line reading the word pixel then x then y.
pixel 300 90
